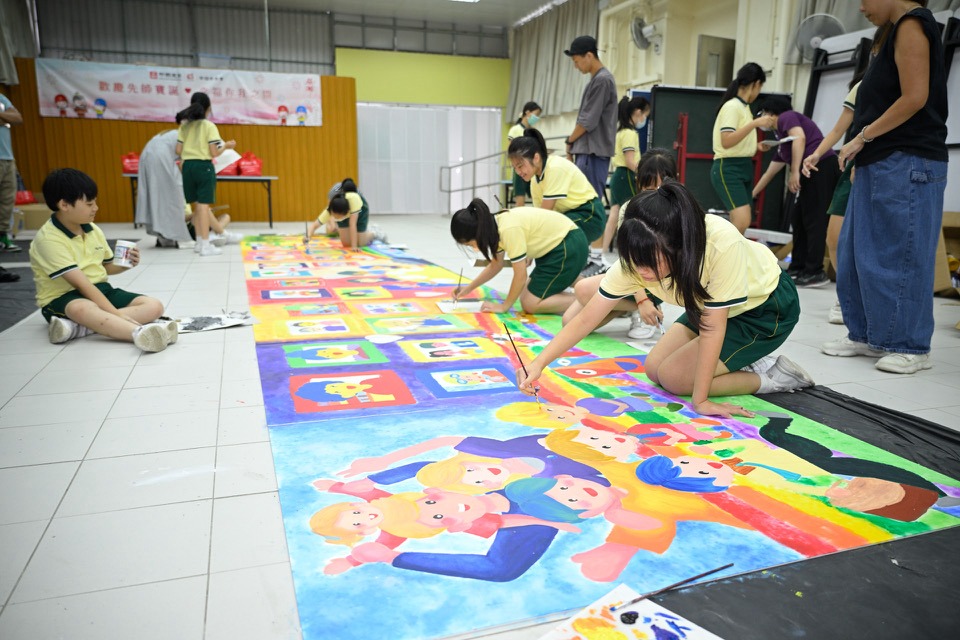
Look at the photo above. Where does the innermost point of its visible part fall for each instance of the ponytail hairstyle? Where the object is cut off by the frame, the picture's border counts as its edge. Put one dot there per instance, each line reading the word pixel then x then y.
pixel 527 108
pixel 477 223
pixel 528 145
pixel 199 104
pixel 348 186
pixel 667 222
pixel 747 75
pixel 626 108
pixel 656 167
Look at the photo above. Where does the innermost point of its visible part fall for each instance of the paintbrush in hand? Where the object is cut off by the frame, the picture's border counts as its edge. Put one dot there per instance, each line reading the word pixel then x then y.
pixel 517 351
pixel 459 282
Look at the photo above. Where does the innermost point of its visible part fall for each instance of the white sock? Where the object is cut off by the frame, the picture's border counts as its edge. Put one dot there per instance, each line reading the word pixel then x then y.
pixel 767 385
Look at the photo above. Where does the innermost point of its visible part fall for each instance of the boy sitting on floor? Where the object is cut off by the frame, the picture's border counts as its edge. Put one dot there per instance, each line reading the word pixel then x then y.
pixel 71 260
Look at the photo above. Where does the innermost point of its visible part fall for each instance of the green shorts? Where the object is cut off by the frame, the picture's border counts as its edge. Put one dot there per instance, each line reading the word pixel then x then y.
pixel 362 218
pixel 199 181
pixel 590 217
pixel 838 204
pixel 732 179
pixel 623 186
pixel 559 268
pixel 117 297
pixel 520 186
pixel 760 331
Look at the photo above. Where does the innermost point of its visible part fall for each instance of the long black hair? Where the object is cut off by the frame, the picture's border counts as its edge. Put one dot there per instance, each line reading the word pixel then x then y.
pixel 527 108
pixel 476 222
pixel 667 222
pixel 527 145
pixel 199 103
pixel 746 75
pixel 626 108
pixel 656 166
pixel 338 203
pixel 776 105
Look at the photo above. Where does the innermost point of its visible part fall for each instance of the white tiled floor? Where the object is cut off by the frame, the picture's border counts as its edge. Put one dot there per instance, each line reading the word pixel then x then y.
pixel 139 498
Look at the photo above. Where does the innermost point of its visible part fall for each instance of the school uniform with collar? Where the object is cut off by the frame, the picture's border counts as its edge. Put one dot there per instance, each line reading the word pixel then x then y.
pixel 358 207
pixel 563 182
pixel 520 186
pixel 199 176
pixel 623 183
pixel 732 172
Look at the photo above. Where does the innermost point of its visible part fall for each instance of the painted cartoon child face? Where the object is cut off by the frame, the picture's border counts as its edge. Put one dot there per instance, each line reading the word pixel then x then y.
pixel 346 389
pixel 490 476
pixel 694 467
pixel 446 509
pixel 562 415
pixel 617 445
pixel 335 353
pixel 578 494
pixel 362 519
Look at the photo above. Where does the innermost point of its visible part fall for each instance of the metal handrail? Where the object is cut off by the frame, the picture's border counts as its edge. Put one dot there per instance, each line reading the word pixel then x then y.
pixel 447 171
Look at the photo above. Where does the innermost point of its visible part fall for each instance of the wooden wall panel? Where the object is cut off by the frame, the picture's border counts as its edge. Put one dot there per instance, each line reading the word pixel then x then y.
pixel 307 160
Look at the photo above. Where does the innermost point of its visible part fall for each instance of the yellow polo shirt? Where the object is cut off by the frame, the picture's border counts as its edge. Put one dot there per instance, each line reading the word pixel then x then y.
pixel 56 250
pixel 562 181
pixel 529 232
pixel 850 102
pixel 627 140
pixel 737 273
pixel 515 131
pixel 734 114
pixel 354 201
pixel 196 136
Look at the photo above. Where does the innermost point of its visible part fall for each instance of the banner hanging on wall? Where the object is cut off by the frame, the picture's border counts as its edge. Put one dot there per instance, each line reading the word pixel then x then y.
pixel 72 89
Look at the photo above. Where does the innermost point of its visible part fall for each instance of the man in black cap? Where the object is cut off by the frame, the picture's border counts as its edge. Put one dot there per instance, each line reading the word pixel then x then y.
pixel 593 138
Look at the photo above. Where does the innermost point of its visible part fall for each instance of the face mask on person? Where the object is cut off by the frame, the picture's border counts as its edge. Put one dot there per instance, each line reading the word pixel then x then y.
pixel 767 129
pixel 640 122
pixel 532 119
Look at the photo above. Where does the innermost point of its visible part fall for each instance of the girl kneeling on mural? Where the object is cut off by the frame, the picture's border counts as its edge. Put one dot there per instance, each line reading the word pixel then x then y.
pixel 739 304
pixel 350 211
pixel 557 245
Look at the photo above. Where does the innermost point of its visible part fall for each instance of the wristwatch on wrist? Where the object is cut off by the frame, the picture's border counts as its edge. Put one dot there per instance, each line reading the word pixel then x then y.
pixel 568 142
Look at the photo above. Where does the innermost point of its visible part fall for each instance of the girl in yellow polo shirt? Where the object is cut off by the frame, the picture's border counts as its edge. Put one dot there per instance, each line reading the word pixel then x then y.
pixel 740 306
pixel 529 118
pixel 557 184
pixel 198 143
pixel 554 242
pixel 735 144
pixel 632 114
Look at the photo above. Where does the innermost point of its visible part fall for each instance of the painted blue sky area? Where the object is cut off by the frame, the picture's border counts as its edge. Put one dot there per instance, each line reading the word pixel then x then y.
pixel 419 605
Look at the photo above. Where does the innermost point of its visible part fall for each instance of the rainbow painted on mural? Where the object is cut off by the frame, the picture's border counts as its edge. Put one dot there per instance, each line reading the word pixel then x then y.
pixel 410 467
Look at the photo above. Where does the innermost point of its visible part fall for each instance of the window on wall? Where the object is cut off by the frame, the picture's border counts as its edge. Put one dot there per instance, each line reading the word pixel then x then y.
pixel 403 148
pixel 393 34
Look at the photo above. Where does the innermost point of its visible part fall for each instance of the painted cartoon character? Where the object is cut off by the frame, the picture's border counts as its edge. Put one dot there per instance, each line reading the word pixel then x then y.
pixel 282 114
pixel 61 103
pixel 599 370
pixel 323 355
pixel 100 106
pixel 79 105
pixel 301 115
pixel 325 391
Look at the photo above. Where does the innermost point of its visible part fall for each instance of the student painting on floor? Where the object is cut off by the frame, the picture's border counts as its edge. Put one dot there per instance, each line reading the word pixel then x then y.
pixel 633 114
pixel 557 184
pixel 735 144
pixel 740 306
pixel 198 143
pixel 529 118
pixel 812 193
pixel 71 260
pixel 351 213
pixel 554 242
pixel 656 167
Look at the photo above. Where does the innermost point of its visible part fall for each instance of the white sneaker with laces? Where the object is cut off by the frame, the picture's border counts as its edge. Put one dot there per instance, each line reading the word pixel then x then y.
pixel 835 316
pixel 761 366
pixel 217 240
pixel 233 237
pixel 61 330
pixel 845 348
pixel 207 249
pixel 904 362
pixel 150 338
pixel 784 375
pixel 639 330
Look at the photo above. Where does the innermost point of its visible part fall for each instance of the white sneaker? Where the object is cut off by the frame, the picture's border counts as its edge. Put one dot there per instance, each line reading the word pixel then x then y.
pixel 170 328
pixel 217 240
pixel 378 234
pixel 197 245
pixel 61 330
pixel 233 237
pixel 845 347
pixel 761 366
pixel 639 330
pixel 784 375
pixel 835 316
pixel 150 338
pixel 207 250
pixel 904 362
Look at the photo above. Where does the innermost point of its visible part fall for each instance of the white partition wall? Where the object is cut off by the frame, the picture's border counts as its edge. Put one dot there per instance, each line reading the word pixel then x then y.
pixel 403 147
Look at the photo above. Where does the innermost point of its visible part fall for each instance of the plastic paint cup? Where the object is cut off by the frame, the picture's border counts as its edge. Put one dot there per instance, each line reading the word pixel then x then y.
pixel 121 253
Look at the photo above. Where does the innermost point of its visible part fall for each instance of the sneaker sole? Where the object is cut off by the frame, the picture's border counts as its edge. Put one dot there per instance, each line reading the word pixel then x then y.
pixel 791 368
pixel 173 332
pixel 58 332
pixel 850 354
pixel 151 339
pixel 905 370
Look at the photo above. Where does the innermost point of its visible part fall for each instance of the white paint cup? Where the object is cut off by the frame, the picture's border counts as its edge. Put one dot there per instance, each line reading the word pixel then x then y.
pixel 121 253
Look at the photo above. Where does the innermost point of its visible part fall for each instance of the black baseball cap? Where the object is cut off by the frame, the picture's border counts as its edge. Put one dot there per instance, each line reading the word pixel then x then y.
pixel 582 45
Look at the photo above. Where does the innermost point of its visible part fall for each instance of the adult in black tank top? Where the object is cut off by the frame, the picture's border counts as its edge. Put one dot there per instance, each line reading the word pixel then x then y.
pixel 889 238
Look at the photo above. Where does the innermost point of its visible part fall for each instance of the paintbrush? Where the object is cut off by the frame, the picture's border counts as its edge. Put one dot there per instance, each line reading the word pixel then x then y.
pixel 459 282
pixel 672 586
pixel 520 360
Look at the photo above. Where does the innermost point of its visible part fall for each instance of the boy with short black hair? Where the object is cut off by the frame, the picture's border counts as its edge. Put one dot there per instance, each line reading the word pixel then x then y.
pixel 71 260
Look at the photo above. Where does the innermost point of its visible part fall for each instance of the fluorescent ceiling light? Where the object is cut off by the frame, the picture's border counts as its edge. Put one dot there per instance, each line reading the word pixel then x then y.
pixel 470 1
pixel 539 12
